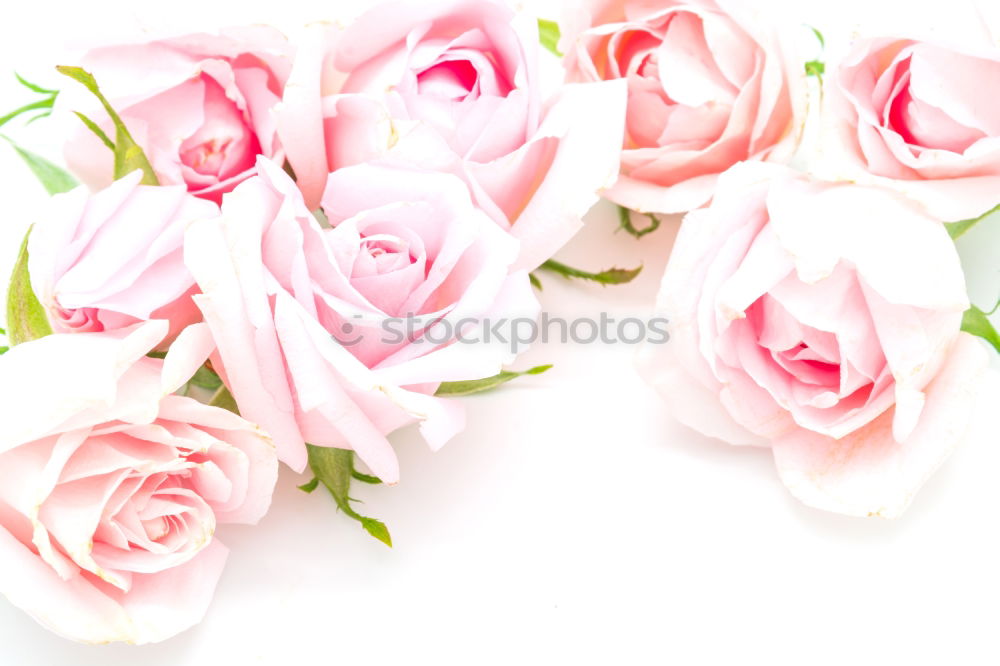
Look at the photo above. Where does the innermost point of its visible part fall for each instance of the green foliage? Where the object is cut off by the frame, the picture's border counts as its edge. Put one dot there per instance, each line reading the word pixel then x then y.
pixel 26 319
pixel 334 468
pixel 43 105
pixel 958 229
pixel 625 219
pixel 816 68
pixel 976 322
pixel 366 478
pixel 54 179
pixel 607 277
pixel 206 379
pixel 310 486
pixel 549 34
pixel 224 400
pixel 454 389
pixel 128 154
pixel 819 36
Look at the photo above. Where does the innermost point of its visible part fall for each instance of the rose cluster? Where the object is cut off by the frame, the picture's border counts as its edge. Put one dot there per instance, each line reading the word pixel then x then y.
pixel 826 319
pixel 211 301
pixel 249 203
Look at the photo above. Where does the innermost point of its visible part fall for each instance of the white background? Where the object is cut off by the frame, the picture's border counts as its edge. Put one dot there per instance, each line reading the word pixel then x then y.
pixel 572 522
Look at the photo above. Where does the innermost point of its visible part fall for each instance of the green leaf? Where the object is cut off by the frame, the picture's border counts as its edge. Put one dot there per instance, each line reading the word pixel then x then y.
pixel 40 104
pixel 225 400
pixel 957 229
pixel 44 114
pixel 625 217
pixel 819 36
pixel 34 87
pixel 334 468
pixel 816 68
pixel 128 154
pixel 96 129
pixel 54 179
pixel 535 282
pixel 311 486
pixel 26 318
pixel 206 379
pixel 454 389
pixel 45 104
pixel 610 276
pixel 549 34
pixel 976 322
pixel 366 478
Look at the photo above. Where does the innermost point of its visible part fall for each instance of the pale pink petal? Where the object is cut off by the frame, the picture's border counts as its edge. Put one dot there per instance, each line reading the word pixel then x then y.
pixel 869 473
pixel 243 327
pixel 187 353
pixel 585 163
pixel 99 361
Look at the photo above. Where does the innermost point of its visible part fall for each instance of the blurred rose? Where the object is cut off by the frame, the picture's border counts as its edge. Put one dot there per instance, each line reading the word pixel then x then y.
pixel 111 259
pixel 454 86
pixel 111 489
pixel 299 311
pixel 201 106
pixel 822 320
pixel 918 113
pixel 708 86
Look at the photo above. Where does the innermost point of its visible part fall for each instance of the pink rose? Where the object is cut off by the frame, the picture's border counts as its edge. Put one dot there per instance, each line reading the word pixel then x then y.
pixel 915 114
pixel 823 320
pixel 112 489
pixel 707 88
pixel 201 106
pixel 454 85
pixel 114 258
pixel 300 311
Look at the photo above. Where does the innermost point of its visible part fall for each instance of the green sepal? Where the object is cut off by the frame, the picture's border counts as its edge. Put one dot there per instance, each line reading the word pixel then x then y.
pixel 819 36
pixel 334 468
pixel 128 154
pixel 206 379
pixel 816 68
pixel 957 229
pixel 608 277
pixel 366 478
pixel 549 34
pixel 976 322
pixel 96 129
pixel 454 389
pixel 26 319
pixel 310 486
pixel 224 400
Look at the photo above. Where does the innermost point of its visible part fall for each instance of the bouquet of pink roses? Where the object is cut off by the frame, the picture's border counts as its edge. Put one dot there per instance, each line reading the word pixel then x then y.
pixel 827 320
pixel 281 250
pixel 295 233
